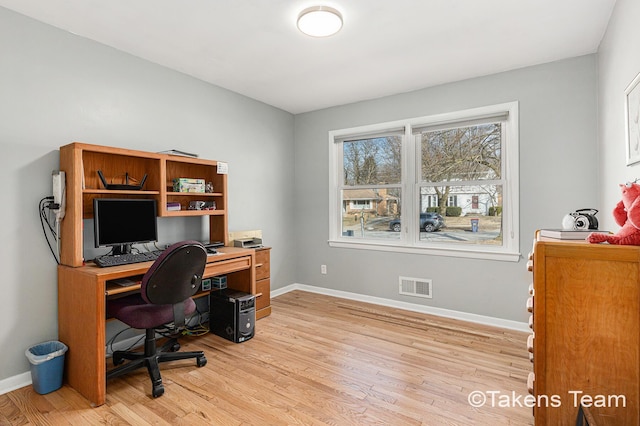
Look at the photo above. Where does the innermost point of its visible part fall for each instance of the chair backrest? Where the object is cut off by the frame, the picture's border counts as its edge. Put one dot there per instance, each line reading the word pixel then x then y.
pixel 176 275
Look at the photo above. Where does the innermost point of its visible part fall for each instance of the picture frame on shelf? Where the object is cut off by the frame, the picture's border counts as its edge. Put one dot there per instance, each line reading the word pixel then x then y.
pixel 632 120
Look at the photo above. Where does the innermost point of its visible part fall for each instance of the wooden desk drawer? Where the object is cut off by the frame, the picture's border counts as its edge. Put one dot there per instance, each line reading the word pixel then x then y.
pixel 263 262
pixel 263 292
pixel 227 266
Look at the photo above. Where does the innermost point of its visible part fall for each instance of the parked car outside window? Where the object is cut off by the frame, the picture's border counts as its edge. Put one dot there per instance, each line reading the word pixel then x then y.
pixel 429 222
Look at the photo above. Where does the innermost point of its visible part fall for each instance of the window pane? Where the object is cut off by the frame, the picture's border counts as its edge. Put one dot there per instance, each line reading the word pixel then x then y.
pixel 476 219
pixel 373 161
pixel 371 213
pixel 463 153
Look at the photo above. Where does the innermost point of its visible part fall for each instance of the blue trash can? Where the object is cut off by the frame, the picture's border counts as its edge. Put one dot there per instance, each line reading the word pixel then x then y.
pixel 474 225
pixel 47 365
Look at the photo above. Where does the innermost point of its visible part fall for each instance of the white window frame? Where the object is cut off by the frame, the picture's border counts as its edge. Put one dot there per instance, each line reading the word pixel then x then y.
pixel 409 241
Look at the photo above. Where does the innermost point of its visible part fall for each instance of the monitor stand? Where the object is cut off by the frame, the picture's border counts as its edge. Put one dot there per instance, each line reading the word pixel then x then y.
pixel 121 249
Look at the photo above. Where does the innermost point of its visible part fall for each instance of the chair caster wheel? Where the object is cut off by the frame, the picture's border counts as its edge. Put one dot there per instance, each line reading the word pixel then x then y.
pixel 175 347
pixel 157 391
pixel 201 361
pixel 117 359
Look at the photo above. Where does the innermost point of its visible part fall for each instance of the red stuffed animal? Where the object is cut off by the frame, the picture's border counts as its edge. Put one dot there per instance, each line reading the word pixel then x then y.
pixel 627 215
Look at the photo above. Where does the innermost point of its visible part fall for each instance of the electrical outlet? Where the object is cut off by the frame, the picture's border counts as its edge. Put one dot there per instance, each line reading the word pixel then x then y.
pixel 323 269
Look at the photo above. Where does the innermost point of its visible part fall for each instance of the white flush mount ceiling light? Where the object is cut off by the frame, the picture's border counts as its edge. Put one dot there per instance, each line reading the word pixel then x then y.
pixel 320 21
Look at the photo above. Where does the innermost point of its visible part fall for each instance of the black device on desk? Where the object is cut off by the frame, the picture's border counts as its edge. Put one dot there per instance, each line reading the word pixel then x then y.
pixel 232 314
pixel 212 247
pixel 120 223
pixel 127 258
pixel 126 185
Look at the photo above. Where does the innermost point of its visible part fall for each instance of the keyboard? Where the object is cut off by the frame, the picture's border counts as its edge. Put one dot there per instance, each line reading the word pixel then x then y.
pixel 125 259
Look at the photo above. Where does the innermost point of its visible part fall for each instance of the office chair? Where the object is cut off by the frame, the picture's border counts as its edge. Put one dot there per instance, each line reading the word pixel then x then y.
pixel 165 296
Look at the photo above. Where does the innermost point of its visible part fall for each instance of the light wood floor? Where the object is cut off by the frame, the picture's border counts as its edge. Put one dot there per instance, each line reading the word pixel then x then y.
pixel 317 360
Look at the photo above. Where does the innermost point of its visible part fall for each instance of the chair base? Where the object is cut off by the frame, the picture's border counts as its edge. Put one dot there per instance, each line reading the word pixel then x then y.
pixel 151 358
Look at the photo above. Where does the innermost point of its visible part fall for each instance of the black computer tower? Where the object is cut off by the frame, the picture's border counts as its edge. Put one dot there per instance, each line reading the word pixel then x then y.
pixel 232 314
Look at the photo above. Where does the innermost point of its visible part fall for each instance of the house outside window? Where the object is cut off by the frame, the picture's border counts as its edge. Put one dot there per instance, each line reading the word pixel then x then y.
pixel 385 178
pixel 359 205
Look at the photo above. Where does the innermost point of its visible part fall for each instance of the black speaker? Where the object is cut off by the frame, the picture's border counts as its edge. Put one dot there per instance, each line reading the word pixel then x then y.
pixel 232 314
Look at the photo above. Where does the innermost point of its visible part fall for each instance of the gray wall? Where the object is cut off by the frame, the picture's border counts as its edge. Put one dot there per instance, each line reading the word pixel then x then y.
pixel 557 156
pixel 56 88
pixel 618 64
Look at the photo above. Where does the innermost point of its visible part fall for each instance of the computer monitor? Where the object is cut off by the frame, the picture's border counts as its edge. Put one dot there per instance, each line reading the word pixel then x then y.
pixel 119 223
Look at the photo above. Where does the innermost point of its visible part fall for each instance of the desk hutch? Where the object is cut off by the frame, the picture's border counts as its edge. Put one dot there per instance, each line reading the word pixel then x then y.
pixel 83 288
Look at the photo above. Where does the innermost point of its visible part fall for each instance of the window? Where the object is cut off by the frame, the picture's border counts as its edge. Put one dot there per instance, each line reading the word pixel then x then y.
pixel 370 189
pixel 444 185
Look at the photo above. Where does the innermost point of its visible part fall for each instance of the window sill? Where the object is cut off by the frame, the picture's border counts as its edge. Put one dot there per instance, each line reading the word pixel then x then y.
pixel 448 251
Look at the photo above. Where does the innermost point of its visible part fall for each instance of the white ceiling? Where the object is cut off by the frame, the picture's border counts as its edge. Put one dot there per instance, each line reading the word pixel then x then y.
pixel 253 47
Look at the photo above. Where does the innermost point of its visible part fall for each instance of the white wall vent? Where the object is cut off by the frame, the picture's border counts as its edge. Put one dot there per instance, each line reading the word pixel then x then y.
pixel 419 287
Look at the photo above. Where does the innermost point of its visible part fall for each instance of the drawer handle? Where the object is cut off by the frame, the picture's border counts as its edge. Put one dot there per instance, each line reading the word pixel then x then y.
pixel 259 265
pixel 257 295
pixel 530 304
pixel 531 379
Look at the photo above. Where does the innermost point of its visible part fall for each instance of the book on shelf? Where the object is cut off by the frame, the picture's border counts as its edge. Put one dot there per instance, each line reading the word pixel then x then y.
pixel 173 206
pixel 568 234
pixel 178 152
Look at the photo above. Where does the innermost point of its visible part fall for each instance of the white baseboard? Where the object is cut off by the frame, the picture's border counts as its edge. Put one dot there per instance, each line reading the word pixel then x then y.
pixel 447 313
pixel 15 382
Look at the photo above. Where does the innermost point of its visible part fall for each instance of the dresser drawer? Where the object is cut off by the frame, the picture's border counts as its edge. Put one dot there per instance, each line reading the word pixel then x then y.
pixel 263 292
pixel 263 262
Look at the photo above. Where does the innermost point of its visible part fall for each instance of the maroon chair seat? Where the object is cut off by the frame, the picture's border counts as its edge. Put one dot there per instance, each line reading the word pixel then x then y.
pixel 137 313
pixel 165 297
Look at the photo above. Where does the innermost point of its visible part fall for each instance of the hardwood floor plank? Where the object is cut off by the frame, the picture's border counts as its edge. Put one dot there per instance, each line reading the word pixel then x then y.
pixel 317 360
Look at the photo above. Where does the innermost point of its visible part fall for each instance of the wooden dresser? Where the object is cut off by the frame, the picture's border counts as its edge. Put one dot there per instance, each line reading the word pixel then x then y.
pixel 263 282
pixel 585 343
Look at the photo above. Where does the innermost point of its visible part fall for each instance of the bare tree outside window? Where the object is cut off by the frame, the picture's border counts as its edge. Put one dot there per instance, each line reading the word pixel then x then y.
pixel 461 154
pixel 462 168
pixel 372 175
pixel 372 161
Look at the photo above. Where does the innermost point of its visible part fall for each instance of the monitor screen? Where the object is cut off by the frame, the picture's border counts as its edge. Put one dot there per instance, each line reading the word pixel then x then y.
pixel 122 222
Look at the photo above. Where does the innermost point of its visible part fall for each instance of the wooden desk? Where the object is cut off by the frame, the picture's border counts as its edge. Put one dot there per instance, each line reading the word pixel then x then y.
pixel 82 294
